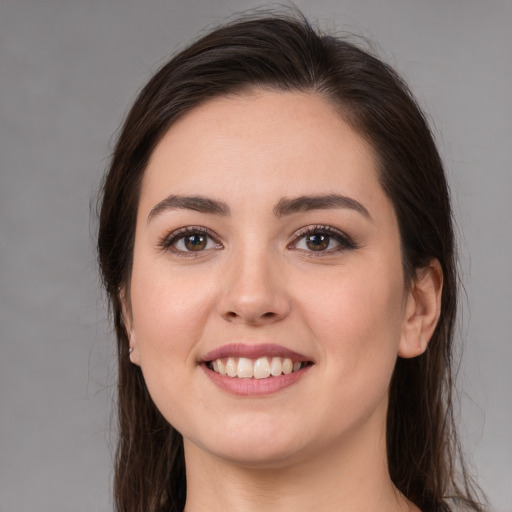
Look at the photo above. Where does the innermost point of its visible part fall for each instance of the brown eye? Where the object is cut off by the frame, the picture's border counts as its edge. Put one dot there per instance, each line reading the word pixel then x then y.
pixel 195 242
pixel 323 240
pixel 190 241
pixel 317 241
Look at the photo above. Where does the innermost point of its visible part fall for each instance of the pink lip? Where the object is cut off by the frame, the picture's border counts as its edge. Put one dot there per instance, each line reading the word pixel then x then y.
pixel 254 387
pixel 252 352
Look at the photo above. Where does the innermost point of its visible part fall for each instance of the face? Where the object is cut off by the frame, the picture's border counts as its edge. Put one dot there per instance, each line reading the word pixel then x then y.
pixel 267 299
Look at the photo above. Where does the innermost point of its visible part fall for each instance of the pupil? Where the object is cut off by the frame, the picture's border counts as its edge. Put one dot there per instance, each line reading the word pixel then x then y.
pixel 195 242
pixel 317 242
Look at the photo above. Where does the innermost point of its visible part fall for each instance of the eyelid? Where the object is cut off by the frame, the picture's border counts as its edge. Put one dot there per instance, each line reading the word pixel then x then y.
pixel 345 241
pixel 167 242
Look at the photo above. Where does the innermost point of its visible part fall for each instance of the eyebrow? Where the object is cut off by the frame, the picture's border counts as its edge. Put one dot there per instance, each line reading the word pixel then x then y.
pixel 285 206
pixel 288 206
pixel 197 203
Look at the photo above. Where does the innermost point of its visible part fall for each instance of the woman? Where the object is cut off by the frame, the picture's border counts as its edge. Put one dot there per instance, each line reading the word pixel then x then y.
pixel 276 244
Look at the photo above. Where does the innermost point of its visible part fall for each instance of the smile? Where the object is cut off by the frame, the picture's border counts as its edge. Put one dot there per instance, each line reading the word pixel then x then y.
pixel 254 369
pixel 260 368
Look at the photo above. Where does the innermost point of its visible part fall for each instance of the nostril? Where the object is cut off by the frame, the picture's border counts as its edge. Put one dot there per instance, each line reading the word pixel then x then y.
pixel 269 315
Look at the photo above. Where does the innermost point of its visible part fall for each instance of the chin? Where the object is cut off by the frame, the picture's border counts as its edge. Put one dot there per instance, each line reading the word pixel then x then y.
pixel 260 443
pixel 258 456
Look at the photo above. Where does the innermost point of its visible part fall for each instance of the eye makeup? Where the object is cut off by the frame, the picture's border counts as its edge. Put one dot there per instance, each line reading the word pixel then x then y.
pixel 189 241
pixel 322 240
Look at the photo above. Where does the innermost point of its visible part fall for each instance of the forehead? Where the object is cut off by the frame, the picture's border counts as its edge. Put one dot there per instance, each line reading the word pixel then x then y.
pixel 262 144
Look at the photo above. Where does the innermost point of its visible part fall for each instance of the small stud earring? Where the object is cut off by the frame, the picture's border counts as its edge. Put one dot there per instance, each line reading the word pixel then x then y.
pixel 130 350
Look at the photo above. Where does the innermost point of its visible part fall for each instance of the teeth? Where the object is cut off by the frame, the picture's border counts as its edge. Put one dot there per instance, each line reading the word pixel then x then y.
pixel 276 368
pixel 231 367
pixel 287 366
pixel 245 368
pixel 261 368
pixel 221 367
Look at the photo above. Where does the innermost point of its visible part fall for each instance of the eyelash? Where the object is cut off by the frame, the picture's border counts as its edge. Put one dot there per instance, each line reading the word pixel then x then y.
pixel 168 242
pixel 345 242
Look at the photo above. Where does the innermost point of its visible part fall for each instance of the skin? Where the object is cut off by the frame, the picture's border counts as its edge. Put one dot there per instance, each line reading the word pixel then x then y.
pixel 318 444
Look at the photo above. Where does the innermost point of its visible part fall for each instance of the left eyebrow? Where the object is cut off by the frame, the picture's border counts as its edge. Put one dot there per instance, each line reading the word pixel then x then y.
pixel 197 203
pixel 288 206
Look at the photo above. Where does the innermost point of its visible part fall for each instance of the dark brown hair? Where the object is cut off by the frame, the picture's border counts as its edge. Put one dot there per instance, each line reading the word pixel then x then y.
pixel 287 54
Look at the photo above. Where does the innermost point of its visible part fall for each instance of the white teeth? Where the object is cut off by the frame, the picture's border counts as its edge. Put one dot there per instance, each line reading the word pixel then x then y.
pixel 245 368
pixel 261 368
pixel 287 366
pixel 221 367
pixel 231 367
pixel 276 368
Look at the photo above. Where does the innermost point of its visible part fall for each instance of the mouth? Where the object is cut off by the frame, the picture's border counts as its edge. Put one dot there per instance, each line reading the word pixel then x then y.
pixel 261 368
pixel 254 369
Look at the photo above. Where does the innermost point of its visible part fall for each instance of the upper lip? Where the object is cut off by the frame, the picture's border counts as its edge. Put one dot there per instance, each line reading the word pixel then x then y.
pixel 252 352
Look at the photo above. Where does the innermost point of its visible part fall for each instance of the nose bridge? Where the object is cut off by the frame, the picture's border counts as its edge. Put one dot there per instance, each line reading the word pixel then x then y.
pixel 254 288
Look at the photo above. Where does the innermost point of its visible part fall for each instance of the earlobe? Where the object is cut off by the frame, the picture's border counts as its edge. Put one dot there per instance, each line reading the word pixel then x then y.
pixel 133 352
pixel 130 331
pixel 422 310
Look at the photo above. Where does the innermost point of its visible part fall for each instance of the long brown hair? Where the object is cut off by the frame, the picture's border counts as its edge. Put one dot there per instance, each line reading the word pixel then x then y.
pixel 285 53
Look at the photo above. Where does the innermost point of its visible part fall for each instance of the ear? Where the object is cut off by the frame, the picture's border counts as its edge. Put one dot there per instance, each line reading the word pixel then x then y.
pixel 127 318
pixel 422 310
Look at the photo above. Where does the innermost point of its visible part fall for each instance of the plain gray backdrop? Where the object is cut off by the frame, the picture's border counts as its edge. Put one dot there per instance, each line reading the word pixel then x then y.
pixel 69 70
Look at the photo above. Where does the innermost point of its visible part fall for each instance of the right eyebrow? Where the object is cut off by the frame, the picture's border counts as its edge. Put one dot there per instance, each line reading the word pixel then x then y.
pixel 197 203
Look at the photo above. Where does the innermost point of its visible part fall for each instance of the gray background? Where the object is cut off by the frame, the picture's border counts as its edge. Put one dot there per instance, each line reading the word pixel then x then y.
pixel 68 72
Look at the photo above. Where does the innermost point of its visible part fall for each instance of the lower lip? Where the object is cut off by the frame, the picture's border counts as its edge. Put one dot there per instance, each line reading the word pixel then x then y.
pixel 254 387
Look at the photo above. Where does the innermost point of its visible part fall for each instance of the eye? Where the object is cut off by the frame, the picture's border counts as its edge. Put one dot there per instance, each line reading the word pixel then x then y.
pixel 189 240
pixel 321 239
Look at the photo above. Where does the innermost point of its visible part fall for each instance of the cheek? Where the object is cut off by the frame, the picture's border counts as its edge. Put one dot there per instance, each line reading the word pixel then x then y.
pixel 358 324
pixel 357 318
pixel 169 308
pixel 359 302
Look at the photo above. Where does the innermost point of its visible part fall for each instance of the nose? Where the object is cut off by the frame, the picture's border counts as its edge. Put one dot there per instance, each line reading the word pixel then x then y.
pixel 254 290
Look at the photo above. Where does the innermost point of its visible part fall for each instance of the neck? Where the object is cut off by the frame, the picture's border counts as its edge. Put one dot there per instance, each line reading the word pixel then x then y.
pixel 349 477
